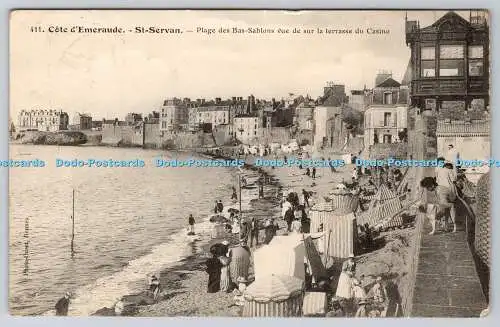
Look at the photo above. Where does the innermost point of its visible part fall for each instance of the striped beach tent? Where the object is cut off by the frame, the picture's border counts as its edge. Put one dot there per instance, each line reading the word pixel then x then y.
pixel 274 296
pixel 340 229
pixel 344 199
pixel 382 208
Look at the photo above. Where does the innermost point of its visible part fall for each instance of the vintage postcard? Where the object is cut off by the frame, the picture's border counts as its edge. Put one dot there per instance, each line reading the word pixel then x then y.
pixel 249 163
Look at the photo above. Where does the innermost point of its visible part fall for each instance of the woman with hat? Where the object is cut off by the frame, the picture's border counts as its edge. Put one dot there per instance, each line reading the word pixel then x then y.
pixel 214 272
pixel 345 284
pixel 379 291
pixel 361 312
pixel 225 276
pixel 240 261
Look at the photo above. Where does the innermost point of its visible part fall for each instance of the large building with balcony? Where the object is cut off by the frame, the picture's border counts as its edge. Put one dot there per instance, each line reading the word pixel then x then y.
pixel 43 120
pixel 450 62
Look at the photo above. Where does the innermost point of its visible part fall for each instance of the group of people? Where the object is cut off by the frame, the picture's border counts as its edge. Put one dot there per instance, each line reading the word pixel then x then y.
pixel 441 193
pixel 226 267
pixel 251 230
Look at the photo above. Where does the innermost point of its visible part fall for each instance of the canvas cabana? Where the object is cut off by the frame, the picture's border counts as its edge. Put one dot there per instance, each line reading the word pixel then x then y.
pixel 340 229
pixel 274 296
pixel 284 255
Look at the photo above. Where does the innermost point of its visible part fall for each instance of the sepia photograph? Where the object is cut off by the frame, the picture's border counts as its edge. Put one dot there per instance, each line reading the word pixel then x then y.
pixel 249 163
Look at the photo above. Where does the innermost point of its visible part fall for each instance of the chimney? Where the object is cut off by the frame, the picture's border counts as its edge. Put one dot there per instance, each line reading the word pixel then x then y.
pixel 202 102
pixel 234 99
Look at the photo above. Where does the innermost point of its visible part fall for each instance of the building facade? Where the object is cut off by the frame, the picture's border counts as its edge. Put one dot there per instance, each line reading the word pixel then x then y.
pixel 214 115
pixel 43 120
pixel 174 115
pixel 384 123
pixel 82 121
pixel 450 61
pixel 304 115
pixel 246 128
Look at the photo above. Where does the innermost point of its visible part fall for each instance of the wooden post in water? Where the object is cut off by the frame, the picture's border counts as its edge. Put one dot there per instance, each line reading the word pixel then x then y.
pixel 73 225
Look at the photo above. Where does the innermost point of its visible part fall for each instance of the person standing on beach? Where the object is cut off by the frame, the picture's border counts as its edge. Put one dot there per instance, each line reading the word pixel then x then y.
pixel 240 261
pixel 308 172
pixel 244 232
pixel 191 224
pixel 216 207
pixel 306 197
pixel 234 196
pixel 213 269
pixel 270 230
pixel 225 277
pixel 314 172
pixel 254 232
pixel 289 217
pixel 62 306
pixel 220 206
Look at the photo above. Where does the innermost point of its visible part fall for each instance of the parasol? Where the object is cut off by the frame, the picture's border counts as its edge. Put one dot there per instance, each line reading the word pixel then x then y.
pixel 218 219
pixel 274 288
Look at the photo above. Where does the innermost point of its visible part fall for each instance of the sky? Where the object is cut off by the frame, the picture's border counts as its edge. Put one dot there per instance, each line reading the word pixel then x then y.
pixel 110 75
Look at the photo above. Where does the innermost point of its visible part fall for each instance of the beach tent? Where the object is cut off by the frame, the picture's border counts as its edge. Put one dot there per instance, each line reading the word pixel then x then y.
pixel 274 296
pixel 344 199
pixel 284 255
pixel 339 226
pixel 382 209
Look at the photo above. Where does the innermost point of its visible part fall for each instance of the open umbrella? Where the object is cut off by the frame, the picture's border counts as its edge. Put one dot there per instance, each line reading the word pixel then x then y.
pixel 218 219
pixel 274 288
pixel 233 210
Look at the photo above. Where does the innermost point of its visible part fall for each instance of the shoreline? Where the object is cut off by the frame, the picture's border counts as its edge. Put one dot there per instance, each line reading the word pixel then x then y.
pixel 191 268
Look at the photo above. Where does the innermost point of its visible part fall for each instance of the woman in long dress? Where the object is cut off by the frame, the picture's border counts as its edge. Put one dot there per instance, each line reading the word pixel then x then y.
pixel 240 261
pixel 214 274
pixel 225 275
pixel 345 284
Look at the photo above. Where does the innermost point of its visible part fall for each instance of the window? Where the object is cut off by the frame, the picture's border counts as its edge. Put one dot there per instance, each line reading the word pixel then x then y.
pixel 428 63
pixel 476 67
pixel 476 60
pixel 476 52
pixel 388 98
pixel 387 118
pixel 451 52
pixel 451 60
pixel 451 67
pixel 428 53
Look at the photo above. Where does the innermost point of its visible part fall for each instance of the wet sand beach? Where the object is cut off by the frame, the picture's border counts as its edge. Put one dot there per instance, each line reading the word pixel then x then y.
pixel 185 284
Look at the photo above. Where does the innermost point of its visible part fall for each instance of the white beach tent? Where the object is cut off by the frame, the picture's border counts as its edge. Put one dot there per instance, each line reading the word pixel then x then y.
pixel 283 256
